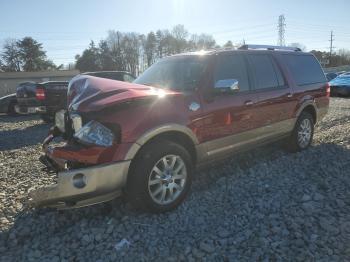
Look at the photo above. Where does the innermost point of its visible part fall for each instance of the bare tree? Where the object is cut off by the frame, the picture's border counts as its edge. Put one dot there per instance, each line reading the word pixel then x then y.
pixel 150 48
pixel 202 41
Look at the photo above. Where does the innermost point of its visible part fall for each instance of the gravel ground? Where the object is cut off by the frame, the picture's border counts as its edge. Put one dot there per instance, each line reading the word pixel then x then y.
pixel 262 205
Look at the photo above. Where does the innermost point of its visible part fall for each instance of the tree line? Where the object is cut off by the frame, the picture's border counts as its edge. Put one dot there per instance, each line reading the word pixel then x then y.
pixel 127 51
pixel 24 55
pixel 134 52
pixel 340 58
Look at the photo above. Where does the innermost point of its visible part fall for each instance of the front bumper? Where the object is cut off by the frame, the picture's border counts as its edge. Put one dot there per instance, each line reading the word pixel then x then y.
pixel 30 109
pixel 82 187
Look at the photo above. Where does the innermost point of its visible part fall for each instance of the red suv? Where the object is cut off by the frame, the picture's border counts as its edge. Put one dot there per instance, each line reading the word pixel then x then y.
pixel 144 139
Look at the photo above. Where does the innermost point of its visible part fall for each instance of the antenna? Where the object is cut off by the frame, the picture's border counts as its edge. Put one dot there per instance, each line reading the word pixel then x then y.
pixel 281 30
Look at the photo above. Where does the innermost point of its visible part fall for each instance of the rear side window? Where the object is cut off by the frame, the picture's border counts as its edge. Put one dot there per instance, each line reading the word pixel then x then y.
pixel 305 69
pixel 267 74
pixel 232 67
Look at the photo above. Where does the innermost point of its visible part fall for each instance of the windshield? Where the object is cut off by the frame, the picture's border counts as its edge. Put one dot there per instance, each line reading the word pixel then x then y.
pixel 179 73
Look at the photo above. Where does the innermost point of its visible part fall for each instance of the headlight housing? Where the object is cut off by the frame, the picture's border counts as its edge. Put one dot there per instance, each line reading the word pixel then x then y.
pixel 60 118
pixel 95 133
pixel 77 122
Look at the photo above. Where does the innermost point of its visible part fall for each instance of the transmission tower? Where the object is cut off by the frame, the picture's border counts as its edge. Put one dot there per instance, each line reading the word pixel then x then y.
pixel 281 30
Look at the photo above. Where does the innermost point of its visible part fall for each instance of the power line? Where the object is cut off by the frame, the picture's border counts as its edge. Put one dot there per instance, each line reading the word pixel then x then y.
pixel 281 30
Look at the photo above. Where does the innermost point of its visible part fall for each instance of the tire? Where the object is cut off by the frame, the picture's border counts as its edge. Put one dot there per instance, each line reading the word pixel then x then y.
pixel 148 175
pixel 11 109
pixel 47 118
pixel 302 134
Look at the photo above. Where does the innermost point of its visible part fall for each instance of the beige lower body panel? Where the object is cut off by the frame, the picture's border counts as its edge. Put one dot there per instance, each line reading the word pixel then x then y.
pixel 218 148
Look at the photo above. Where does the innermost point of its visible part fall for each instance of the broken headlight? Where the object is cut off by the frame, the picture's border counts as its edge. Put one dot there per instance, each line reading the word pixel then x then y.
pixel 60 118
pixel 77 122
pixel 95 133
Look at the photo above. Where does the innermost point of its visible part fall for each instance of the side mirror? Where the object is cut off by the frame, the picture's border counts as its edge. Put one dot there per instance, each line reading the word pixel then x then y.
pixel 227 85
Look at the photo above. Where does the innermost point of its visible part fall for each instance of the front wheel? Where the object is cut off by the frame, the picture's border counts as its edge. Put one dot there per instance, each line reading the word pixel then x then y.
pixel 303 132
pixel 160 177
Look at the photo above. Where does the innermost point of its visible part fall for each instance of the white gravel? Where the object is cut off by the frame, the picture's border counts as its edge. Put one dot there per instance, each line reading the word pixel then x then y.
pixel 262 205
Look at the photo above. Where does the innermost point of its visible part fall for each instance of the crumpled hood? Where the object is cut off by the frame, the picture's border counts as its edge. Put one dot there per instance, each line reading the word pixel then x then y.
pixel 340 81
pixel 88 93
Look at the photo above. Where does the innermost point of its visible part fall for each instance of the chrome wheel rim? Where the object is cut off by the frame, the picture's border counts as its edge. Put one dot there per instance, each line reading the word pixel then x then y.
pixel 167 179
pixel 304 133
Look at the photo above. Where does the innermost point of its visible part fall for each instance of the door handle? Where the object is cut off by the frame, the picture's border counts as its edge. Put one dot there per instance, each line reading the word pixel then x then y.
pixel 289 95
pixel 248 103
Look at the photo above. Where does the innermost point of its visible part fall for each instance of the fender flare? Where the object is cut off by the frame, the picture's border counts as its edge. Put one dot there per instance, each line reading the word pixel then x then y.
pixel 306 104
pixel 148 135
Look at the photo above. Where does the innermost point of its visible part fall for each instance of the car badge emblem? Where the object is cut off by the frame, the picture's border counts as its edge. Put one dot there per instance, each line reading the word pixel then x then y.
pixel 194 106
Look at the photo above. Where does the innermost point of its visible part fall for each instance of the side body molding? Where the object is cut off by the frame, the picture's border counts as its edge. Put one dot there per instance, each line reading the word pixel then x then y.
pixel 171 127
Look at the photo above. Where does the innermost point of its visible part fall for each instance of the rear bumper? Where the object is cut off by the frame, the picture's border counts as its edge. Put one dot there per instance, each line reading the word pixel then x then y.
pixel 30 109
pixel 82 187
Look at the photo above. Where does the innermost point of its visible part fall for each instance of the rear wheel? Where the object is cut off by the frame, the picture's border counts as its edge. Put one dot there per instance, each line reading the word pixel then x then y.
pixel 160 177
pixel 303 132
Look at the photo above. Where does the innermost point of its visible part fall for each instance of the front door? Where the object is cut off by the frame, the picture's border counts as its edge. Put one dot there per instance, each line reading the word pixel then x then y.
pixel 230 114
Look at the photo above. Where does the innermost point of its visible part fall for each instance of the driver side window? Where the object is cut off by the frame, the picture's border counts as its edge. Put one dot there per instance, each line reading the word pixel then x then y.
pixel 232 67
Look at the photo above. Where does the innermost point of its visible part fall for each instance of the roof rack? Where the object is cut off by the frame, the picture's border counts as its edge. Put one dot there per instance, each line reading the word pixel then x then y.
pixel 269 47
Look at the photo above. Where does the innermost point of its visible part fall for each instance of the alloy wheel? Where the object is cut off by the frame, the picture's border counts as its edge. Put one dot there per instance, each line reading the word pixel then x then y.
pixel 167 179
pixel 304 133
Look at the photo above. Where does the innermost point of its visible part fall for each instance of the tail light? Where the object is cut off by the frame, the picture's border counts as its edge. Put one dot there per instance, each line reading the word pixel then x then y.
pixel 328 90
pixel 40 93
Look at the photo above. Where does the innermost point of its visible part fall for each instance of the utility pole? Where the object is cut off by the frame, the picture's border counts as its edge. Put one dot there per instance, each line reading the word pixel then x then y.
pixel 331 48
pixel 281 30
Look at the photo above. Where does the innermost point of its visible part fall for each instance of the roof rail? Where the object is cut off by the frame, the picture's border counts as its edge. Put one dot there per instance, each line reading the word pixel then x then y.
pixel 269 47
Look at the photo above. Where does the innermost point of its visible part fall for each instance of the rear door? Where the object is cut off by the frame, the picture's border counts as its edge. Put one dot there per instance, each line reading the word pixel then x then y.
pixel 276 101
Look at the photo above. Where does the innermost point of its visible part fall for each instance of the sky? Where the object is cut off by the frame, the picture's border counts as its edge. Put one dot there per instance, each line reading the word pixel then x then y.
pixel 66 27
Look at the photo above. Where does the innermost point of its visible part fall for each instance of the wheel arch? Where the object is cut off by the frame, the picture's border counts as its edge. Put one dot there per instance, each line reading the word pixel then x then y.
pixel 309 107
pixel 181 135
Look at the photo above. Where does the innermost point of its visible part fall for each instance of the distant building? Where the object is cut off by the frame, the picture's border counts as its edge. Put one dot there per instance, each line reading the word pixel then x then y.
pixel 9 80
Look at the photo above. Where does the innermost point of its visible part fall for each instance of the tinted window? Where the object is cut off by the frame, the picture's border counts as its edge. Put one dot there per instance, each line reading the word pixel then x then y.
pixel 305 69
pixel 108 75
pixel 232 67
pixel 128 78
pixel 264 71
pixel 278 72
pixel 180 73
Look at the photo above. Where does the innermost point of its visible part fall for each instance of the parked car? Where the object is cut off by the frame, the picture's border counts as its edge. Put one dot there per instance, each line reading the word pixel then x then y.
pixel 8 103
pixel 341 85
pixel 144 139
pixel 49 97
pixel 44 98
pixel 331 76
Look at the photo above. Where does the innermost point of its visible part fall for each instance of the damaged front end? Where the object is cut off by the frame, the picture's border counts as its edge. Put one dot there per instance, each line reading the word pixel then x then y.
pixel 86 173
pixel 90 165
